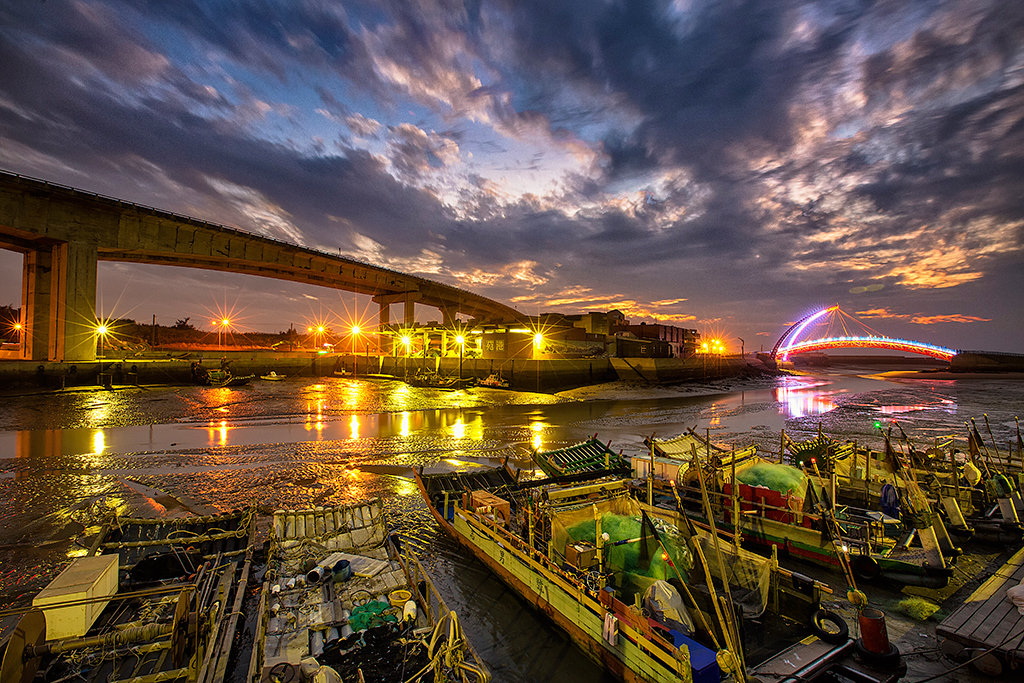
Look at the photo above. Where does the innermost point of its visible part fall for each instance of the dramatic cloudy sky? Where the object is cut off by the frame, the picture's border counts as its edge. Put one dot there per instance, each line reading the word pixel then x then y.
pixel 726 165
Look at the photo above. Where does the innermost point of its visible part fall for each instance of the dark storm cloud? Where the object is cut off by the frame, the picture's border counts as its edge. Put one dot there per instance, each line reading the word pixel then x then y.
pixel 750 149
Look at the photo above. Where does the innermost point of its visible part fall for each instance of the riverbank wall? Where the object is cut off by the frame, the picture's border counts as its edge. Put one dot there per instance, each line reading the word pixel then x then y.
pixel 544 375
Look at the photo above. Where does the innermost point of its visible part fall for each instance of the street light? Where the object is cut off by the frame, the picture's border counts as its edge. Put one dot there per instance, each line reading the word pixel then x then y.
pixel 223 322
pixel 101 331
pixel 461 341
pixel 355 365
pixel 408 342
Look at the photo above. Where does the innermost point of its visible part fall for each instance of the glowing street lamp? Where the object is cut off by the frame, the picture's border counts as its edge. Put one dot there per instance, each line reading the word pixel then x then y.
pixel 355 365
pixel 101 332
pixel 407 341
pixel 461 341
pixel 223 323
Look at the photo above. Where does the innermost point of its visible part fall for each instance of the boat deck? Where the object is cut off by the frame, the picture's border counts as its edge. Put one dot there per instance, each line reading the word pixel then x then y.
pixel 988 619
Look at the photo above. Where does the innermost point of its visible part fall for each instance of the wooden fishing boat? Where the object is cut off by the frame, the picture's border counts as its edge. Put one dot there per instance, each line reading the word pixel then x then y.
pixel 589 456
pixel 494 381
pixel 804 522
pixel 585 552
pixel 223 378
pixel 969 502
pixel 343 600
pixel 152 600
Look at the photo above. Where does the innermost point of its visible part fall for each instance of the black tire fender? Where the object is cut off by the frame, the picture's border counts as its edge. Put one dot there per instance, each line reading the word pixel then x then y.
pixel 837 634
pixel 865 567
pixel 886 662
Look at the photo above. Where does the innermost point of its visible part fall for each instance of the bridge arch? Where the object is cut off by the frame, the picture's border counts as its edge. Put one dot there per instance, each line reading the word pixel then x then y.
pixel 788 343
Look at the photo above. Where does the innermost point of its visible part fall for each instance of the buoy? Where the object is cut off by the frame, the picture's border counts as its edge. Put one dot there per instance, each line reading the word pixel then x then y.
pixel 409 611
pixel 279 523
pixel 289 524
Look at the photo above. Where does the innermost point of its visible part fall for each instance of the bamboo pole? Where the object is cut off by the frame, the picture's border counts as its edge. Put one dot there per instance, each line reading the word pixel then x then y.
pixel 731 644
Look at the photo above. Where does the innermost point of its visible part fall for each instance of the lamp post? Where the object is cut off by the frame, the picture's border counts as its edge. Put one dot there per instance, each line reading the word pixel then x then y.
pixel 407 341
pixel 742 350
pixel 355 365
pixel 461 341
pixel 101 331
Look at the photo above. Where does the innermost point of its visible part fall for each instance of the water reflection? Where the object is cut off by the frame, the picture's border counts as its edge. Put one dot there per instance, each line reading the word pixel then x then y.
pixel 799 397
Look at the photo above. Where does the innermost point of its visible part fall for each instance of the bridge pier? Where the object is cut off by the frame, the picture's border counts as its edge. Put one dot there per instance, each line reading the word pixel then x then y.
pixel 59 303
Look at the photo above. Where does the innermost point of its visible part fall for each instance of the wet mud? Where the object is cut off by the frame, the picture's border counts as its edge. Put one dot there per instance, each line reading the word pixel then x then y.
pixel 68 460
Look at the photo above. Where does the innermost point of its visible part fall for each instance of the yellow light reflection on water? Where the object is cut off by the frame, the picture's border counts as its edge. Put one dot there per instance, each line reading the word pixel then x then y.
pixel 404 429
pixel 458 429
pixel 218 433
pixel 405 487
pixel 354 427
pixel 538 434
pixel 98 442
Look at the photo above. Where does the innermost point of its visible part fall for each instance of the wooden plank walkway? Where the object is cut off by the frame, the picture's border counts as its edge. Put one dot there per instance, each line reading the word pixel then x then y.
pixel 987 619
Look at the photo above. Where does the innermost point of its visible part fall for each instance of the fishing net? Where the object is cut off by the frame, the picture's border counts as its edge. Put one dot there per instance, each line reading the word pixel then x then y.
pixel 639 554
pixel 784 479
pixel 748 574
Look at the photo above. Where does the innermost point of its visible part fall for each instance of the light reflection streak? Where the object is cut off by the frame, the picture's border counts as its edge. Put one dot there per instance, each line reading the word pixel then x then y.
pixel 404 429
pixel 538 434
pixel 802 401
pixel 458 429
pixel 218 433
pixel 354 427
pixel 98 442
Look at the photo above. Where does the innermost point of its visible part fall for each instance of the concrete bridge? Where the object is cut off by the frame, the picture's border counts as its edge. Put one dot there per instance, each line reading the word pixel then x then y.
pixel 64 232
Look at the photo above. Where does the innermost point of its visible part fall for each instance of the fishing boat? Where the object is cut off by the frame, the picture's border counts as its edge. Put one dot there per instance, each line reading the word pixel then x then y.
pixel 432 380
pixel 152 600
pixel 222 378
pixel 589 456
pixel 969 500
pixel 272 376
pixel 634 586
pixel 344 601
pixel 781 506
pixel 494 381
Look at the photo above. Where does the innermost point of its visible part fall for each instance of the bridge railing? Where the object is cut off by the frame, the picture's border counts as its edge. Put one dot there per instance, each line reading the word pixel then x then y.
pixel 221 226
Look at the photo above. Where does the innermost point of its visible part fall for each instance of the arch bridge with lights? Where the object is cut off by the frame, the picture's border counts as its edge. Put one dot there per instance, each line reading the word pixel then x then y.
pixel 64 232
pixel 839 332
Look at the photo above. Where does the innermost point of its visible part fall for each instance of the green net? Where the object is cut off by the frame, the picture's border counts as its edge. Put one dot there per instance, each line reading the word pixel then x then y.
pixel 373 613
pixel 785 479
pixel 628 556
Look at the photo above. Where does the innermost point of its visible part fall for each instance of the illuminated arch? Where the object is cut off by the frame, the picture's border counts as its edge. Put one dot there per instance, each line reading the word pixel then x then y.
pixel 869 342
pixel 796 329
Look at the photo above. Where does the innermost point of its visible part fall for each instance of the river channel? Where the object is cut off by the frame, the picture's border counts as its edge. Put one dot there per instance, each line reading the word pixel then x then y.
pixel 68 457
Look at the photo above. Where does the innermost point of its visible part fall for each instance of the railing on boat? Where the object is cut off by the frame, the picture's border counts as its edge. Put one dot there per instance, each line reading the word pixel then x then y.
pixel 430 599
pixel 641 631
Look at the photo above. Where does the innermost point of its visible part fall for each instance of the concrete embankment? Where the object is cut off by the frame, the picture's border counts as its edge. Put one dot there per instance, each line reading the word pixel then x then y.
pixel 524 375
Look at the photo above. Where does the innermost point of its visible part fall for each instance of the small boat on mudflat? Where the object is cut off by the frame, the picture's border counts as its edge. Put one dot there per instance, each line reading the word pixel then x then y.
pixel 272 377
pixel 152 600
pixel 344 601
